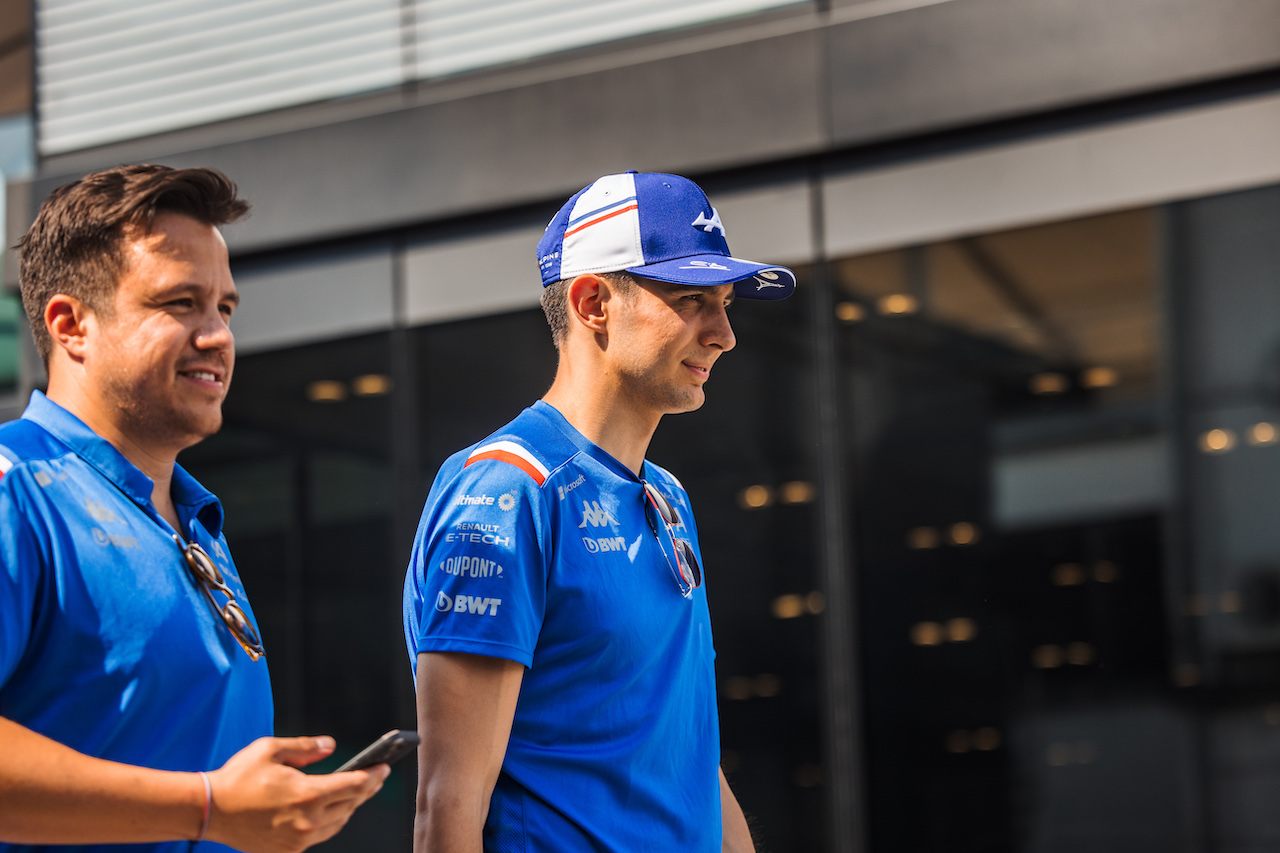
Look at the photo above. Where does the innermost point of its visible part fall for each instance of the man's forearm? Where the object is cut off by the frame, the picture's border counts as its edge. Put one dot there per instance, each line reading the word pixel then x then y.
pixel 448 823
pixel 258 801
pixel 736 833
pixel 465 707
pixel 51 794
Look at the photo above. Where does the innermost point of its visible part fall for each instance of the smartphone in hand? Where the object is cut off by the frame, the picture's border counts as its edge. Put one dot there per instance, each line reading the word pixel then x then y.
pixel 391 747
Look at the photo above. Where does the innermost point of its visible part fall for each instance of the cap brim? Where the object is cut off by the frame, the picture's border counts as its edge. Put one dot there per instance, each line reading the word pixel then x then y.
pixel 752 280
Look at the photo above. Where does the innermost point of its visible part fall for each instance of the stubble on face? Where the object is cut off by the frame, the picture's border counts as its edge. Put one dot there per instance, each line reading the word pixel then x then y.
pixel 149 410
pixel 147 351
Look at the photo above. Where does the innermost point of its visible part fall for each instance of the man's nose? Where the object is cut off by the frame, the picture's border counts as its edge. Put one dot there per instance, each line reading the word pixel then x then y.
pixel 214 333
pixel 719 331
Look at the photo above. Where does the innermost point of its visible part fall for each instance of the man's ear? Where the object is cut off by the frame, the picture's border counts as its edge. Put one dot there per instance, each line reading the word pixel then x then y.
pixel 68 321
pixel 588 297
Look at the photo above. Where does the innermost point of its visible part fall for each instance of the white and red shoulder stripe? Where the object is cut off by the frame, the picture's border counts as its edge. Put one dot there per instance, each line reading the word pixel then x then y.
pixel 514 454
pixel 5 465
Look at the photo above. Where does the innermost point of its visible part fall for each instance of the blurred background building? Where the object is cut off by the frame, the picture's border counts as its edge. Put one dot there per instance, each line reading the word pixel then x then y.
pixel 989 506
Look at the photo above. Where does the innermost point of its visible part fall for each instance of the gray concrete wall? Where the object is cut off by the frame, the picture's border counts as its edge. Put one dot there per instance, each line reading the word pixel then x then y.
pixel 967 61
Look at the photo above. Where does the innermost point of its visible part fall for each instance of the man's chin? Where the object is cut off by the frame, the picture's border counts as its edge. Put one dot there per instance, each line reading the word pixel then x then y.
pixel 690 402
pixel 194 429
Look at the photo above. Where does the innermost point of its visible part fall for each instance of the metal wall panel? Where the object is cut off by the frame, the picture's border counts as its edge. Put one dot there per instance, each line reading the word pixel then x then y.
pixel 515 146
pixel 957 63
pixel 114 69
pixel 328 295
pixel 461 35
pixel 1172 156
pixel 473 276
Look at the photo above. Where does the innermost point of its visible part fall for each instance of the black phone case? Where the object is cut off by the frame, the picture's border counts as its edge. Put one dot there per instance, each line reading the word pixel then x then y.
pixel 389 748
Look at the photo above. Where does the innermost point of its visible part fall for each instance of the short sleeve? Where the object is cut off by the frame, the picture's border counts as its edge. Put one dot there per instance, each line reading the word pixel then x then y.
pixel 20 570
pixel 477 579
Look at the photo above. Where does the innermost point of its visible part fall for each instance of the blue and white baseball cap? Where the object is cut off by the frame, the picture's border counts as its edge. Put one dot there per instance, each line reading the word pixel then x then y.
pixel 656 226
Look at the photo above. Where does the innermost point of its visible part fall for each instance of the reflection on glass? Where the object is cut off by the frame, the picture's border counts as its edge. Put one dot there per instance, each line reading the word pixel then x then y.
pixel 1008 451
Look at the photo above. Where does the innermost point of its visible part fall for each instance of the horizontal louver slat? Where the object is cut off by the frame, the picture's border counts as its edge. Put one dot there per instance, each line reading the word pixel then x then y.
pixel 117 69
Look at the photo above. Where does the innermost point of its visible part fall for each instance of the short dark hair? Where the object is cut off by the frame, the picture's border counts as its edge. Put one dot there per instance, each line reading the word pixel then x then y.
pixel 555 301
pixel 75 246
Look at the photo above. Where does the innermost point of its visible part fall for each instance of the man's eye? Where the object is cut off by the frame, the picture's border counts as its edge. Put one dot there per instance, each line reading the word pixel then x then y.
pixel 183 303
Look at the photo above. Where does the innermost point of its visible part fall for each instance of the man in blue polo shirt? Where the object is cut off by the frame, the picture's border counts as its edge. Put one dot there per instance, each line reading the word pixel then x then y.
pixel 554 606
pixel 135 706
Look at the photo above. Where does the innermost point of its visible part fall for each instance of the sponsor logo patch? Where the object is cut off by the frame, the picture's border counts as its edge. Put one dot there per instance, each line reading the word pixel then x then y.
pixel 472 604
pixel 115 540
pixel 478 539
pixel 595 515
pixel 475 500
pixel 606 543
pixel 44 479
pixel 564 490
pixel 470 567
pixel 100 513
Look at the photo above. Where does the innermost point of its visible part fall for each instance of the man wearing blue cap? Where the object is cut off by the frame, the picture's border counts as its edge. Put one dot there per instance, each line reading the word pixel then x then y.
pixel 554 607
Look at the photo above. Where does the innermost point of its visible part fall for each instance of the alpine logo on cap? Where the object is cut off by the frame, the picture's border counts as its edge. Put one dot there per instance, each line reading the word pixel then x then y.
pixel 709 225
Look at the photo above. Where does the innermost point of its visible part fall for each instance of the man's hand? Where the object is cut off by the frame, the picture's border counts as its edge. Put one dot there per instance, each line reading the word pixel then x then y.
pixel 261 804
pixel 51 794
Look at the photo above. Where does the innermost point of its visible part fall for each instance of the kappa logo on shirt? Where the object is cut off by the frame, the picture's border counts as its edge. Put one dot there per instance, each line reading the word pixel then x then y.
pixel 595 515
pixel 470 604
pixel 101 512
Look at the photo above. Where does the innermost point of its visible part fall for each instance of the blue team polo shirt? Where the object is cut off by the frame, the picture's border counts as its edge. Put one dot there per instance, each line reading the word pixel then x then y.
pixel 534 547
pixel 106 643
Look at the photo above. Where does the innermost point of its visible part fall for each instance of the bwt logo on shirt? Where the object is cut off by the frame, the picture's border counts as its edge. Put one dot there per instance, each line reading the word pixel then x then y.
pixel 593 514
pixel 467 604
pixel 610 543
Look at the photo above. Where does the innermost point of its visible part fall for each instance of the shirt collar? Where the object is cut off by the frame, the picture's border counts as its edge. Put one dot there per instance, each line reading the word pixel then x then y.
pixel 585 444
pixel 102 455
